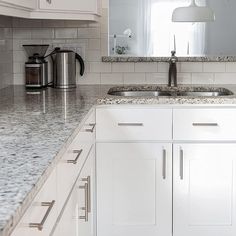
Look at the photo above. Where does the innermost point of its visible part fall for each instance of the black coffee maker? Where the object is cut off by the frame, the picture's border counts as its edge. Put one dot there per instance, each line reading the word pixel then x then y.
pixel 36 68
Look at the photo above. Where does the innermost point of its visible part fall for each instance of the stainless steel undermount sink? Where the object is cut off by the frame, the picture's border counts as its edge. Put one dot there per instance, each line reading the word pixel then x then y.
pixel 169 92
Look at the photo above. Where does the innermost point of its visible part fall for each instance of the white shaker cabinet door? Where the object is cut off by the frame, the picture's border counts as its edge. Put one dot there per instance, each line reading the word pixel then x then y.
pixel 69 5
pixel 134 189
pixel 204 190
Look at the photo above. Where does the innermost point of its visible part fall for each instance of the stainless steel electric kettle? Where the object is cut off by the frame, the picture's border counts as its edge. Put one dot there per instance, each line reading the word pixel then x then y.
pixel 64 68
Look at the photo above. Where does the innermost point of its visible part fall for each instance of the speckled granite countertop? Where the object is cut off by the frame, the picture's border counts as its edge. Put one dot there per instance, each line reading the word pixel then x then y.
pixel 33 129
pixel 35 126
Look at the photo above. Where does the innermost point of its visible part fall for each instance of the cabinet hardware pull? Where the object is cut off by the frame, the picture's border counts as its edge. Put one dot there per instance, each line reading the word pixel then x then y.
pixel 40 225
pixel 88 180
pixel 77 157
pixel 181 168
pixel 130 124
pixel 85 208
pixel 164 164
pixel 49 1
pixel 205 124
pixel 92 129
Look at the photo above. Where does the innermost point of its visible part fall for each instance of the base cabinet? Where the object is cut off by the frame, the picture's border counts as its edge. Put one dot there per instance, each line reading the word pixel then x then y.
pixel 204 190
pixel 134 189
pixel 77 218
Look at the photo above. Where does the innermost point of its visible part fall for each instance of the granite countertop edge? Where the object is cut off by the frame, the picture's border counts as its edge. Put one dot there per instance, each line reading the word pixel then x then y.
pixel 166 59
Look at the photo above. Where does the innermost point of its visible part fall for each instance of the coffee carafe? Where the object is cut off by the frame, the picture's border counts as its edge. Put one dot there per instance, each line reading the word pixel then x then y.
pixel 36 68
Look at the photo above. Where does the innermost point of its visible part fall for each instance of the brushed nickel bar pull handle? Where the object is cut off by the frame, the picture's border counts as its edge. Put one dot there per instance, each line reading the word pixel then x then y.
pixel 92 129
pixel 85 208
pixel 205 124
pixel 88 180
pixel 77 157
pixel 40 225
pixel 164 164
pixel 181 162
pixel 130 124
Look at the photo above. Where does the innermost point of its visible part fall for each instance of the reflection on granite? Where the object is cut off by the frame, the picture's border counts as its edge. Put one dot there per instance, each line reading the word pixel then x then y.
pixel 33 128
pixel 166 59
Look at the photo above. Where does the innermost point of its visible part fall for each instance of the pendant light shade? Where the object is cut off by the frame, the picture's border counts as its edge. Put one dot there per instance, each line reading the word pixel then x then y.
pixel 193 13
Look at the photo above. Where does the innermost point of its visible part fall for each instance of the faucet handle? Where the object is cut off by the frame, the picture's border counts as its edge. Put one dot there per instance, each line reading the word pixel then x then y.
pixel 173 53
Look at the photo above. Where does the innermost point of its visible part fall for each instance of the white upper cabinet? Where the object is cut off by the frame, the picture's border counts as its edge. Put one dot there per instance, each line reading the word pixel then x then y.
pixel 70 9
pixel 52 9
pixel 204 190
pixel 31 4
pixel 71 5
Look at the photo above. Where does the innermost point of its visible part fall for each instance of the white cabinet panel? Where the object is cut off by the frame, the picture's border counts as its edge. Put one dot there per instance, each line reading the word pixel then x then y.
pixel 204 190
pixel 70 5
pixel 134 124
pixel 134 193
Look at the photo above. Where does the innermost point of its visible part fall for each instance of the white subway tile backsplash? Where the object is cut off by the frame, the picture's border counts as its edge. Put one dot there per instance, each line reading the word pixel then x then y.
pixel 42 33
pixel 230 66
pixel 134 78
pixel 225 78
pixel 203 78
pixel 145 67
pixel 93 55
pixel 89 33
pixel 112 78
pixel 21 33
pixel 184 78
pixel 214 67
pixel 94 44
pixel 100 67
pixel 90 78
pixel 163 67
pixel 66 33
pixel 191 67
pixel 123 67
pixel 157 78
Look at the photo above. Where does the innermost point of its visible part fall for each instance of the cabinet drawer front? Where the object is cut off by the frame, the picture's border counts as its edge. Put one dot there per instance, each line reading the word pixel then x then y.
pixel 134 124
pixel 204 124
pixel 69 168
pixel 44 210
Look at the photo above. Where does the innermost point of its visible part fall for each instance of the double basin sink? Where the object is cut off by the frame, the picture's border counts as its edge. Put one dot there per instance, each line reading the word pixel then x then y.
pixel 156 91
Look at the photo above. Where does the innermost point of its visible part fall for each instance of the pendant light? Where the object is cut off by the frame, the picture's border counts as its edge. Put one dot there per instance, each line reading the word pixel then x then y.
pixel 193 13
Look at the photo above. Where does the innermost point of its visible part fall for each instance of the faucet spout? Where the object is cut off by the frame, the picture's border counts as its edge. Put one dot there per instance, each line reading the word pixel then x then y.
pixel 172 78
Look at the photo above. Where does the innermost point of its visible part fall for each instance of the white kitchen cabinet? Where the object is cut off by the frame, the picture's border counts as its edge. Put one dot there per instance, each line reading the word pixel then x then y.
pixel 41 216
pixel 77 218
pixel 52 9
pixel 204 124
pixel 204 190
pixel 70 10
pixel 134 189
pixel 30 4
pixel 70 5
pixel 87 198
pixel 133 124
